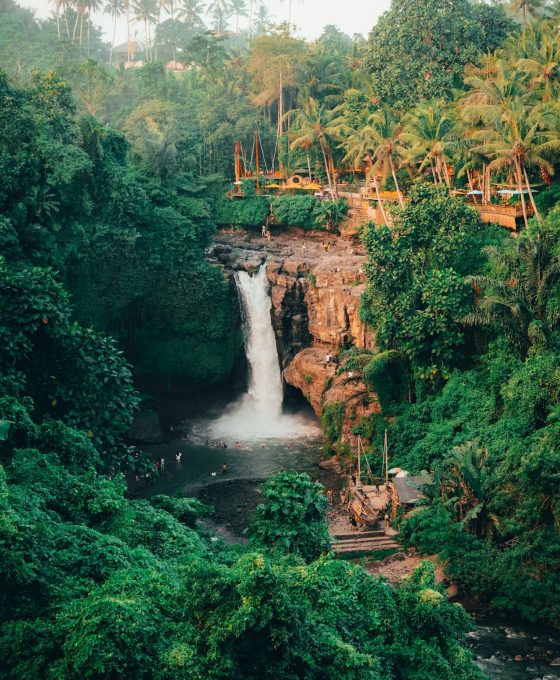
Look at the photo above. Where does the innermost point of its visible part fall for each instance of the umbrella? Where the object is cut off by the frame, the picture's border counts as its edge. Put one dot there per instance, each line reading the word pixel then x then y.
pixel 273 186
pixel 474 192
pixel 291 185
pixel 394 471
pixel 515 192
pixel 312 186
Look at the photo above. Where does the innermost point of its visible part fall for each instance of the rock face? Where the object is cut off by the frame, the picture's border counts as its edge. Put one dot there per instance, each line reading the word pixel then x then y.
pixel 322 384
pixel 315 290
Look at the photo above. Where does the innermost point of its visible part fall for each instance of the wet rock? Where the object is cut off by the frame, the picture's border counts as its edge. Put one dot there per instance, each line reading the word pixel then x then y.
pixel 146 427
pixel 518 657
pixel 555 662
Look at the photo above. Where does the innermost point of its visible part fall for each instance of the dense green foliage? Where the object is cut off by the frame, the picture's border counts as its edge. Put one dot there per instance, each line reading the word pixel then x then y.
pixel 488 437
pixel 129 246
pixel 417 295
pixel 111 183
pixel 293 516
pixel 418 50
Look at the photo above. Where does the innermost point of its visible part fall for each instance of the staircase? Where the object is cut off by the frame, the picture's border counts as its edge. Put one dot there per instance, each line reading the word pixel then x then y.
pixel 358 543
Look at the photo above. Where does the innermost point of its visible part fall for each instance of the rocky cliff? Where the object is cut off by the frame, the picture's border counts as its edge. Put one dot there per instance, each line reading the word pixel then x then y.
pixel 316 284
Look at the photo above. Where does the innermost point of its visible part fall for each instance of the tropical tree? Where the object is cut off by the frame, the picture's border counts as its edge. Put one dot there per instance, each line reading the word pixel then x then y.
pixel 428 132
pixel 388 149
pixel 239 9
pixel 146 11
pixel 290 4
pixel 192 13
pixel 116 9
pixel 313 124
pixel 528 8
pixel 262 21
pixel 519 297
pixel 359 145
pixel 518 141
pixel 221 12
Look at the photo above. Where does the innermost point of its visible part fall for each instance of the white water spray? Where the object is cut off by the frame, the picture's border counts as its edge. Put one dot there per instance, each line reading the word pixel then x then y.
pixel 258 413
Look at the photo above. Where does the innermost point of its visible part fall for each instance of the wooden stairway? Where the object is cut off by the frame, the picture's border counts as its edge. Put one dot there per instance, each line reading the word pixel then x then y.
pixel 358 543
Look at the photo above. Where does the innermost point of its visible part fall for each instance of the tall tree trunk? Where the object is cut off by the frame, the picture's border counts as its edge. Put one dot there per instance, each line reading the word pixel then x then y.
pixel 396 181
pixel 88 34
pixel 58 20
pixel 75 26
pixel 379 200
pixel 308 164
pixel 469 180
pixel 326 167
pixel 250 19
pixel 81 28
pixel 533 204
pixel 113 41
pixel 434 175
pixel 65 6
pixel 520 189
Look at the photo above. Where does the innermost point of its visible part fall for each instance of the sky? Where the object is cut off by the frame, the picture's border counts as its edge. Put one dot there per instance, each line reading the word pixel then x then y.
pixel 351 16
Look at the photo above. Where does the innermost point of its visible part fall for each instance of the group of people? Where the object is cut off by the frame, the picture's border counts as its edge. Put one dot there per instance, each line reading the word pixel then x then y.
pixel 216 445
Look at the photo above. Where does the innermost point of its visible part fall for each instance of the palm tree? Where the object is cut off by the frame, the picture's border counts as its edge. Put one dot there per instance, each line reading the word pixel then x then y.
pixel 290 3
pixel 58 4
pixel 146 11
pixel 263 21
pixel 428 132
pixel 388 149
pixel 116 9
pixel 542 65
pixel 533 8
pixel 359 143
pixel 313 124
pixel 80 7
pixel 220 11
pixel 520 297
pixel 239 9
pixel 92 7
pixel 192 12
pixel 516 141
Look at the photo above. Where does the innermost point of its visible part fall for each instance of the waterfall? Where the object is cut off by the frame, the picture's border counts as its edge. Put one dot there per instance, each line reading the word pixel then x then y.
pixel 258 412
pixel 265 393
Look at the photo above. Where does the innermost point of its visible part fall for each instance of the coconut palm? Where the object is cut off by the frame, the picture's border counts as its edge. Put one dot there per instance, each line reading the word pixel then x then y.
pixel 81 8
pixel 192 13
pixel 517 141
pixel 239 9
pixel 519 298
pixel 388 148
pixel 313 124
pixel 542 65
pixel 221 12
pixel 528 8
pixel 146 11
pixel 359 144
pixel 429 134
pixel 262 21
pixel 290 4
pixel 116 9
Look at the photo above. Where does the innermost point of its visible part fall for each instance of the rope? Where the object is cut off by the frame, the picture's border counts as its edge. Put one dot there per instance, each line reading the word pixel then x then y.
pixel 274 154
pixel 262 151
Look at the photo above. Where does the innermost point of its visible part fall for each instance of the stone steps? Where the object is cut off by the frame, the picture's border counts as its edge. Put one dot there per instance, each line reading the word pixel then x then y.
pixel 363 543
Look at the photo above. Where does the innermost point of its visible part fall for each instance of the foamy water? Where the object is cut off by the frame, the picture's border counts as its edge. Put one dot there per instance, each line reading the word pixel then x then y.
pixel 258 414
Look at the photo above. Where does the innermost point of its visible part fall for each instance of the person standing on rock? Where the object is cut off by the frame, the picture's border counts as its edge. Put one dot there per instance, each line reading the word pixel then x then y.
pixel 263 230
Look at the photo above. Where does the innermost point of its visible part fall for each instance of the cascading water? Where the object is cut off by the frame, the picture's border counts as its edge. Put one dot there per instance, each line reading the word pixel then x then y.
pixel 258 413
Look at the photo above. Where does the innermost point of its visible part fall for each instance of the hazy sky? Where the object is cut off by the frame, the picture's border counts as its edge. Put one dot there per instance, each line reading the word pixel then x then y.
pixel 352 16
